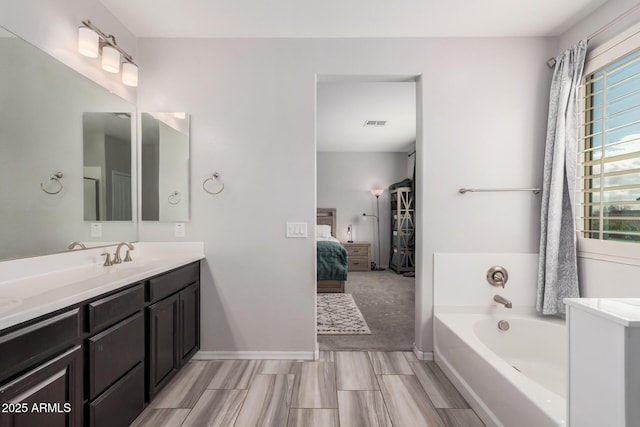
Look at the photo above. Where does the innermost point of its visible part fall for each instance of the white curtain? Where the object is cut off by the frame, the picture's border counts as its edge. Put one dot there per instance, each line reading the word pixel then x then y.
pixel 557 268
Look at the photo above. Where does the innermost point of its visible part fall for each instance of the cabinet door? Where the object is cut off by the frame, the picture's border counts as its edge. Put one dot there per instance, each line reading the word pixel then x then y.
pixel 164 360
pixel 50 395
pixel 189 322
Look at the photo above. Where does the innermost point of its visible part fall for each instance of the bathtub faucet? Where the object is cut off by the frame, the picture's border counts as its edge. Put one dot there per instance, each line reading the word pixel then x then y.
pixel 502 300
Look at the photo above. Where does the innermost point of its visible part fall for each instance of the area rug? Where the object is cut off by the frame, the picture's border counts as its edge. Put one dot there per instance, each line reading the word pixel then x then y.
pixel 338 314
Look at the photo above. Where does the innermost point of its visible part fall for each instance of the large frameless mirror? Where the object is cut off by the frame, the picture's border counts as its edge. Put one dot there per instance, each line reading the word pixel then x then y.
pixel 165 167
pixel 42 171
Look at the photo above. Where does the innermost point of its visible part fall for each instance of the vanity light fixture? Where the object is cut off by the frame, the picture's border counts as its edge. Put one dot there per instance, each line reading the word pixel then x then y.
pixel 88 42
pixel 91 40
pixel 110 60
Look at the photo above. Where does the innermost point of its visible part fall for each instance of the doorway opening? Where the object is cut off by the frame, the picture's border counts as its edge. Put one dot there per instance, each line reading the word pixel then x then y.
pixel 365 173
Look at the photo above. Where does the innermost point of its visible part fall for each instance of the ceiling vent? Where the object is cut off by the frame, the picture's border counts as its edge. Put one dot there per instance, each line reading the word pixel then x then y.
pixel 374 123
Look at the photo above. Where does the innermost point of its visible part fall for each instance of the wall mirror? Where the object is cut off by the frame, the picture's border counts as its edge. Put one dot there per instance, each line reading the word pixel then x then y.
pixel 107 166
pixel 165 166
pixel 42 109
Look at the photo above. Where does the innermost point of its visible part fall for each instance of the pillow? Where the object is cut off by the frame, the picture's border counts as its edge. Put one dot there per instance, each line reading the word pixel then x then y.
pixel 323 231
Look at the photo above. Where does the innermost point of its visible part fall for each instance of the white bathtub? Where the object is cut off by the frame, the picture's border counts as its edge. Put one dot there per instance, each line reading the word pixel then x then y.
pixel 510 378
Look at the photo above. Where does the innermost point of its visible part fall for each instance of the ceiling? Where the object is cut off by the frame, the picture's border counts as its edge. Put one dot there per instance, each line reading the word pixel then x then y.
pixel 350 18
pixel 344 106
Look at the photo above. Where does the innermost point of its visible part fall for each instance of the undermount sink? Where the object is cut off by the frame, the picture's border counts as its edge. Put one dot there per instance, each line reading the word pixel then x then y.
pixel 31 286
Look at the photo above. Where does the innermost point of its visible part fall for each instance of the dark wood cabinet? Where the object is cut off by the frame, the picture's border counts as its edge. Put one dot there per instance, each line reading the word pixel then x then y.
pixel 48 395
pixel 173 323
pixel 163 342
pixel 99 362
pixel 189 322
pixel 22 348
pixel 108 310
pixel 121 403
pixel 114 352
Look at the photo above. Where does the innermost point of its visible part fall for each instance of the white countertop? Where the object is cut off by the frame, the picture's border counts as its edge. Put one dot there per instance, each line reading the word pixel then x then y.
pixel 624 311
pixel 33 287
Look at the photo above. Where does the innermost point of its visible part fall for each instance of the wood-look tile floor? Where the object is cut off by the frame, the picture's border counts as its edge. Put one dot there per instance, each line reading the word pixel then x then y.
pixel 343 388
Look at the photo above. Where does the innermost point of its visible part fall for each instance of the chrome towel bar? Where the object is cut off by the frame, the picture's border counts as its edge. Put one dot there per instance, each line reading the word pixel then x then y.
pixel 491 190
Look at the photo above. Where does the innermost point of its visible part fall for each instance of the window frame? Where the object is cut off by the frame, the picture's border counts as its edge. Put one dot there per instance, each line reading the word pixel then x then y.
pixel 617 47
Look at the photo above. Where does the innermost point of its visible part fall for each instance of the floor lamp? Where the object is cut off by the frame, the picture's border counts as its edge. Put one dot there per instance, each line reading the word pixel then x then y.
pixel 377 192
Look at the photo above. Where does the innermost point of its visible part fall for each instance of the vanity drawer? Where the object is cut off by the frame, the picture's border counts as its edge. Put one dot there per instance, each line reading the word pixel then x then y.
pixel 29 345
pixel 121 403
pixel 173 281
pixel 114 351
pixel 115 307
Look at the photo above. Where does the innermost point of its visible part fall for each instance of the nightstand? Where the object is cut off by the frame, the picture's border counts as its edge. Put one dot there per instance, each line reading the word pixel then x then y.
pixel 358 256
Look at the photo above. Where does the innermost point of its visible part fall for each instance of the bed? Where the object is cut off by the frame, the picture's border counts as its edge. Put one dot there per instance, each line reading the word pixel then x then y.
pixel 331 255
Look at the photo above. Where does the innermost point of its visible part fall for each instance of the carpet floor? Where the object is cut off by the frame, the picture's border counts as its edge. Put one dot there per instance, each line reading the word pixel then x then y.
pixel 387 302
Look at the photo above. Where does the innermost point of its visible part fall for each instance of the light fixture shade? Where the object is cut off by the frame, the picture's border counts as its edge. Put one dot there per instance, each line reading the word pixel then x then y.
pixel 110 59
pixel 130 74
pixel 88 42
pixel 377 192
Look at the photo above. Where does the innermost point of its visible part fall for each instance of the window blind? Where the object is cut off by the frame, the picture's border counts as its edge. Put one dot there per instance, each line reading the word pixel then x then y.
pixel 609 162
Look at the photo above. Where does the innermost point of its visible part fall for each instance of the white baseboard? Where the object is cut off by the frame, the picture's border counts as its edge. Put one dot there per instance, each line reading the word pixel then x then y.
pixel 422 355
pixel 268 355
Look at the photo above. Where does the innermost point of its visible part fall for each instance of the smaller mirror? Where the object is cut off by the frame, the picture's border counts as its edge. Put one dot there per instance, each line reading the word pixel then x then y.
pixel 165 166
pixel 107 166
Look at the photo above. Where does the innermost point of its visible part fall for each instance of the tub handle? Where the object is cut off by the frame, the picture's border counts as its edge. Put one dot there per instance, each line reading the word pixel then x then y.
pixel 497 276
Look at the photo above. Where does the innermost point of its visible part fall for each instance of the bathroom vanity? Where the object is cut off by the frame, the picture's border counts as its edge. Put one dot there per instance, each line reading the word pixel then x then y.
pixel 100 360
pixel 604 361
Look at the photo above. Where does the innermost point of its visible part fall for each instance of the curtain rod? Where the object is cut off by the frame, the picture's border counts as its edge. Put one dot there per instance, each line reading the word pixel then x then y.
pixel 411 153
pixel 552 61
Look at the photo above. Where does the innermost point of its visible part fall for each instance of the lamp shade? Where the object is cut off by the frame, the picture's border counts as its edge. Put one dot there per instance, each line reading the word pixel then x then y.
pixel 130 74
pixel 88 42
pixel 110 59
pixel 377 192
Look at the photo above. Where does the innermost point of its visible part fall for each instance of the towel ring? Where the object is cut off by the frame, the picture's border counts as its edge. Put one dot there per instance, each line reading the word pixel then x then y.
pixel 215 175
pixel 55 177
pixel 174 198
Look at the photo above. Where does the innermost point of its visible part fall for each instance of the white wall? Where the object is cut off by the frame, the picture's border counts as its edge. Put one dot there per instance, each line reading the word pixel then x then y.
pixel 460 282
pixel 345 181
pixel 604 277
pixel 482 107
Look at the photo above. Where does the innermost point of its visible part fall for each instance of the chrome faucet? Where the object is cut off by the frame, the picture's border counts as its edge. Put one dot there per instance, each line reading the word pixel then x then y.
pixel 127 258
pixel 502 300
pixel 107 260
pixel 72 245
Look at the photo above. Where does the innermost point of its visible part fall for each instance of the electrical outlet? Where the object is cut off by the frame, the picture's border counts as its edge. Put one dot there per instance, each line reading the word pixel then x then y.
pixel 96 229
pixel 179 229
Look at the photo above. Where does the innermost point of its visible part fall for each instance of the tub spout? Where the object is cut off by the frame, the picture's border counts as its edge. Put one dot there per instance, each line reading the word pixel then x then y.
pixel 502 300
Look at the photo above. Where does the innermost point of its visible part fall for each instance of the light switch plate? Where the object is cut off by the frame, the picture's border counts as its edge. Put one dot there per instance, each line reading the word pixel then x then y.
pixel 179 229
pixel 296 229
pixel 96 229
